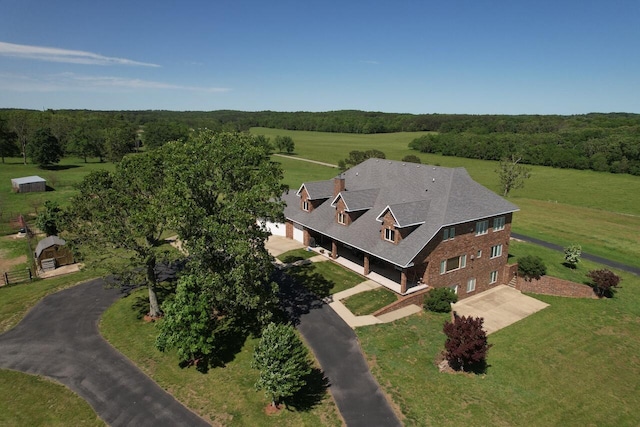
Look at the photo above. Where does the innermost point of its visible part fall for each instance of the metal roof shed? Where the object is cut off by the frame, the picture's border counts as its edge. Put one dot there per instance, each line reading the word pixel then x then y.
pixel 29 184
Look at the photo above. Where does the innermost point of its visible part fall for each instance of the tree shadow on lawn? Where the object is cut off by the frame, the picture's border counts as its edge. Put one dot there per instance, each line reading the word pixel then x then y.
pixel 59 167
pixel 305 275
pixel 312 393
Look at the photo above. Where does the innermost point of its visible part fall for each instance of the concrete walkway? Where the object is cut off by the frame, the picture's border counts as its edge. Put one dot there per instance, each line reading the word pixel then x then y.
pixel 500 307
pixel 59 339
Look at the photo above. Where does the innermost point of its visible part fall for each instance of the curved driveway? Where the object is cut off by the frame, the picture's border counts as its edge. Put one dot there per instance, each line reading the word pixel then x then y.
pixel 59 339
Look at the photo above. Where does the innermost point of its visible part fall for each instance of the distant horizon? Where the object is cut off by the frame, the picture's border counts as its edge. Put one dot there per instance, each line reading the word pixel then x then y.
pixel 314 112
pixel 547 57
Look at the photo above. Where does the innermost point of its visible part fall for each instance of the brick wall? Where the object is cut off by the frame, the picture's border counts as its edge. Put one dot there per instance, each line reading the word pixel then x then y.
pixel 548 285
pixel 388 221
pixel 467 243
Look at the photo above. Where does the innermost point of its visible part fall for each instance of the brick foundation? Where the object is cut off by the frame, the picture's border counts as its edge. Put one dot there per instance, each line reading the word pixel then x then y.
pixel 416 298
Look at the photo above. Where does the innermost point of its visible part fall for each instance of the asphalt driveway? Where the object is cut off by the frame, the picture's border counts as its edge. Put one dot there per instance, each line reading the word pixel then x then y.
pixel 59 339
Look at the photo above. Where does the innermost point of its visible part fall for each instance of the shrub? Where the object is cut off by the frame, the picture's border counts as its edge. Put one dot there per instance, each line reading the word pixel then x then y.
pixel 466 345
pixel 411 158
pixel 604 282
pixel 572 255
pixel 440 300
pixel 531 267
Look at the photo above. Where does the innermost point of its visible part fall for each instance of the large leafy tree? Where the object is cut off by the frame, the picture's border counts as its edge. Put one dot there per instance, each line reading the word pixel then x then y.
pixel 86 141
pixel 283 362
pixel 44 148
pixel 156 134
pixel 124 211
pixel 221 188
pixel 284 144
pixel 118 141
pixel 50 218
pixel 512 174
pixel 8 147
pixel 20 123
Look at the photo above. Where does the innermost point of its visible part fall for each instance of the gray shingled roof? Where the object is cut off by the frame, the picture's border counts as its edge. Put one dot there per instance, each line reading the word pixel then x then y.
pixel 410 213
pixel 47 242
pixel 358 200
pixel 431 196
pixel 318 189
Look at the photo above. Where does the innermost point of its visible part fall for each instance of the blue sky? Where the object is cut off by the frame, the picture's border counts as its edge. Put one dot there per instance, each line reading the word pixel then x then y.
pixel 478 57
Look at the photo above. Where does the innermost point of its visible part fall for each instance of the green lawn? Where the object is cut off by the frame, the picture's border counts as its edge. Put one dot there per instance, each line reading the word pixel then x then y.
pixel 573 363
pixel 61 179
pixel 369 302
pixel 324 278
pixel 223 396
pixel 30 400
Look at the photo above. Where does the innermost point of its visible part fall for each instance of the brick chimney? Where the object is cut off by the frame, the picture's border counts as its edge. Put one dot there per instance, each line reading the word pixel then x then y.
pixel 338 184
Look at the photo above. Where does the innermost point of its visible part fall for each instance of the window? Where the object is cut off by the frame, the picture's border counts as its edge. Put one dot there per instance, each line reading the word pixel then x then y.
pixel 305 205
pixel 496 251
pixel 479 254
pixel 449 233
pixel 498 223
pixel 494 277
pixel 454 288
pixel 390 234
pixel 341 218
pixel 453 264
pixel 471 285
pixel 482 227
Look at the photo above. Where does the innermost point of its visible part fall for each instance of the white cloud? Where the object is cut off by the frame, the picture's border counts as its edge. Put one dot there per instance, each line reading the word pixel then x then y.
pixel 370 62
pixel 75 82
pixel 51 54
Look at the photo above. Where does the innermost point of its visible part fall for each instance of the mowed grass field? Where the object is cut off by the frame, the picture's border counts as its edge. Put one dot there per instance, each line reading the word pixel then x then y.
pixel 600 211
pixel 575 363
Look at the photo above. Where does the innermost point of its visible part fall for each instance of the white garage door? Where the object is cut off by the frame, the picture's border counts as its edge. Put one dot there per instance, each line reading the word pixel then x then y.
pixel 277 229
pixel 298 233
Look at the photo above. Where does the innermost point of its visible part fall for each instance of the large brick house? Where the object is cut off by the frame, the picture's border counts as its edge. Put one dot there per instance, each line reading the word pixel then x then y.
pixel 414 225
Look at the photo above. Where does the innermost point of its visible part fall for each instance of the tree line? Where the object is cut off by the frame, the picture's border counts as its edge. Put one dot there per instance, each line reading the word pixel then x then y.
pixel 602 142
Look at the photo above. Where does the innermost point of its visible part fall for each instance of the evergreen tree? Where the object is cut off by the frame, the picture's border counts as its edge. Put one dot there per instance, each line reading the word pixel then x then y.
pixel 283 362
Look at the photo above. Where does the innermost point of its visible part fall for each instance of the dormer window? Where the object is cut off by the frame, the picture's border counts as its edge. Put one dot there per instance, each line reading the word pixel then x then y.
pixel 390 234
pixel 305 205
pixel 341 218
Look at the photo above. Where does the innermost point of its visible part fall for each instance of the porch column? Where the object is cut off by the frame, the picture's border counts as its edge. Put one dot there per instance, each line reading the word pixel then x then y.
pixel 306 238
pixel 366 264
pixel 403 281
pixel 334 249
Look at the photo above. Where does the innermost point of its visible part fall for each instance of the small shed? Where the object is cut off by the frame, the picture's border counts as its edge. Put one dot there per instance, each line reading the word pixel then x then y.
pixel 29 184
pixel 52 253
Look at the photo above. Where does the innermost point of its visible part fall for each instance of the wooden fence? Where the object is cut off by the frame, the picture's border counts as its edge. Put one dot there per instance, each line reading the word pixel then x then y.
pixel 11 277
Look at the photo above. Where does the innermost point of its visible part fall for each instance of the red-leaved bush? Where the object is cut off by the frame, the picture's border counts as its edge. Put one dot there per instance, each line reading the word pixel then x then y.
pixel 466 346
pixel 604 282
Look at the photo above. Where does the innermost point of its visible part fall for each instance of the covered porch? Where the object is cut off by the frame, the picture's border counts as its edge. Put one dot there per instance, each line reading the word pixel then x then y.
pixel 400 281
